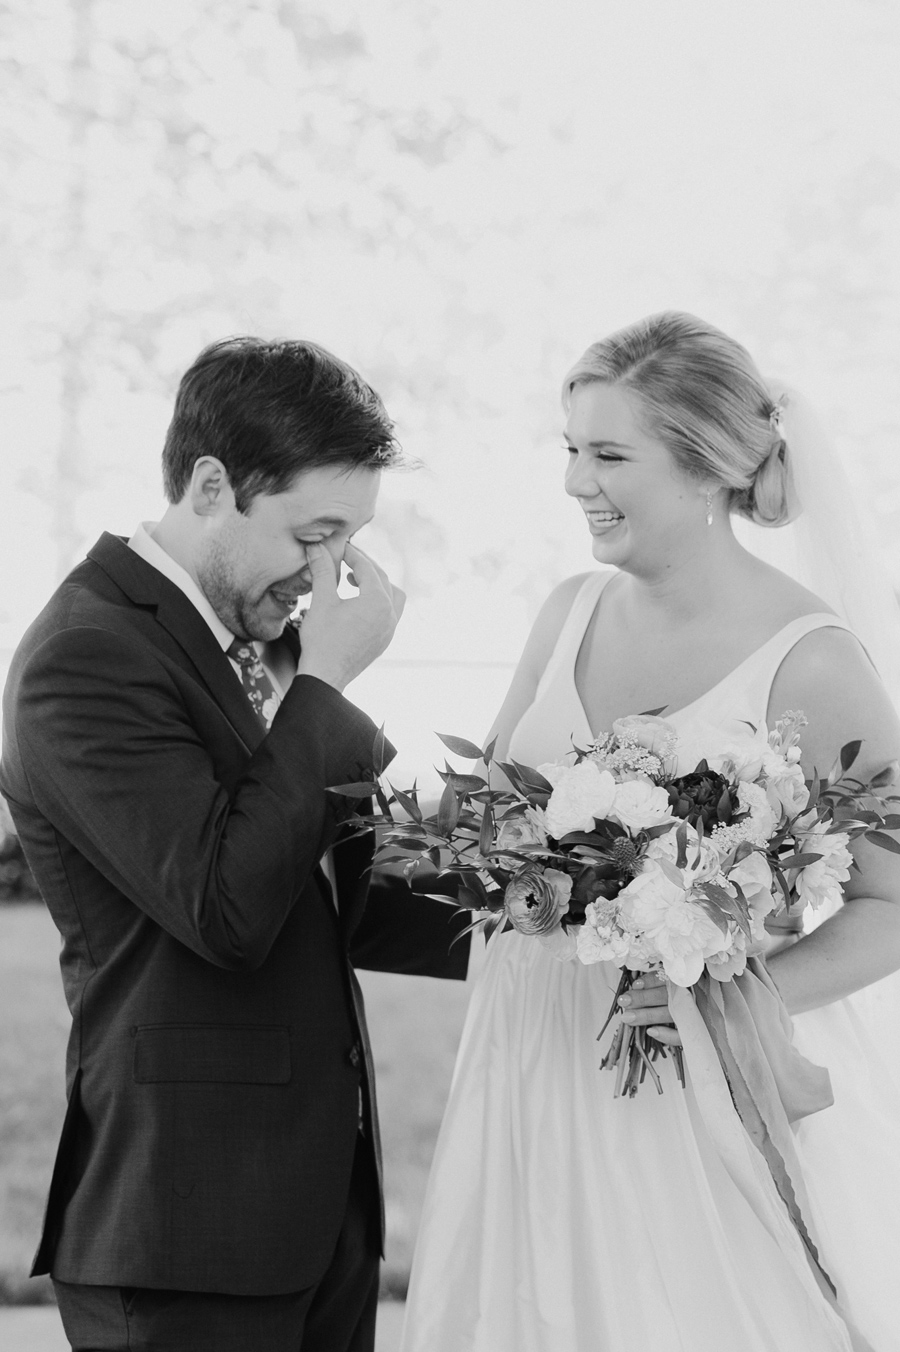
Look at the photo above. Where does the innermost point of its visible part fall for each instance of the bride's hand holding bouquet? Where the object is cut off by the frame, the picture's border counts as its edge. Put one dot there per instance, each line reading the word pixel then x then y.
pixel 613 856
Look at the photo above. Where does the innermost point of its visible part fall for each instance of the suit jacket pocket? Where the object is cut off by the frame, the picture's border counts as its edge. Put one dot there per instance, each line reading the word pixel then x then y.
pixel 212 1054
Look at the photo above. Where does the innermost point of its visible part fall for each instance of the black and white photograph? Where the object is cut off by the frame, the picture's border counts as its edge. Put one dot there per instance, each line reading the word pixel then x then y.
pixel 450 670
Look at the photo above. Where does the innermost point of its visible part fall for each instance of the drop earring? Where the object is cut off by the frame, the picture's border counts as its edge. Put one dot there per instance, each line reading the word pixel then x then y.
pixel 709 511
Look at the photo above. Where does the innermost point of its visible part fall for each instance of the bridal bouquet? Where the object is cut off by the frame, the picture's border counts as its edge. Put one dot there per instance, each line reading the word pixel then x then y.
pixel 613 856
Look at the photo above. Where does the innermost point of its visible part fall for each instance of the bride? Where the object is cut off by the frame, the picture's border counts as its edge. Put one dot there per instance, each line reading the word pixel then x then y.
pixel 560 1219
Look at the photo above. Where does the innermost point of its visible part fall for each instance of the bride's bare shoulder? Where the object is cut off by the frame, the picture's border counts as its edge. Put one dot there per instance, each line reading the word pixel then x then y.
pixel 552 616
pixel 828 675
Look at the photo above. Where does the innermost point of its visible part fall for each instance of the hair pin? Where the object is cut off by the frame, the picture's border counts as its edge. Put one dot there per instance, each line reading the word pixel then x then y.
pixel 776 415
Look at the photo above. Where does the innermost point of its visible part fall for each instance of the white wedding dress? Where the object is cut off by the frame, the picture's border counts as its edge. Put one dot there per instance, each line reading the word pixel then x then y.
pixel 560 1219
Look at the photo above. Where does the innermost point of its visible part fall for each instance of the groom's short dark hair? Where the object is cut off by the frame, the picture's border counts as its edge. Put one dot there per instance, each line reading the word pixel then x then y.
pixel 269 411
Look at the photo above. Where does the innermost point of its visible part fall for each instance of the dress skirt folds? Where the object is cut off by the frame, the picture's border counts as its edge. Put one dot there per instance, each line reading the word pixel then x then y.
pixel 561 1219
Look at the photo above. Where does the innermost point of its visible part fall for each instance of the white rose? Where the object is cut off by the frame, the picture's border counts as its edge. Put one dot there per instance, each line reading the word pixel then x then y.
pixel 640 804
pixel 680 931
pixel 581 794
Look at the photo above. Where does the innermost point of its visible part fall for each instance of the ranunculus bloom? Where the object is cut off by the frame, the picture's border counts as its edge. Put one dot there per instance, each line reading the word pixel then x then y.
pixel 650 732
pixel 640 804
pixel 681 932
pixel 581 794
pixel 536 899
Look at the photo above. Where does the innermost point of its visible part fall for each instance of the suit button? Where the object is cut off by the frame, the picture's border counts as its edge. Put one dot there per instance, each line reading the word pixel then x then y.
pixel 354 1057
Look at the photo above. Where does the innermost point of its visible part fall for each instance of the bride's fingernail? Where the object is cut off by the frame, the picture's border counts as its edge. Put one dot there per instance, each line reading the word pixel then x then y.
pixel 624 1001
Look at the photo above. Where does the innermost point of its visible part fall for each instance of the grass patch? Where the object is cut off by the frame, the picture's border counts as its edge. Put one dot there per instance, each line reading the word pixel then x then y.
pixel 415 1024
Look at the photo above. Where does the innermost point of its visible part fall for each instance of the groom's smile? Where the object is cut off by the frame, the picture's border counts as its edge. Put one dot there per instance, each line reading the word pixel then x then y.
pixel 252 565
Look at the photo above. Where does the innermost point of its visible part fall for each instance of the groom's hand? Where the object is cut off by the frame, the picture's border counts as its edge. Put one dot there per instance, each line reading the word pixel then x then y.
pixel 342 636
pixel 647 1005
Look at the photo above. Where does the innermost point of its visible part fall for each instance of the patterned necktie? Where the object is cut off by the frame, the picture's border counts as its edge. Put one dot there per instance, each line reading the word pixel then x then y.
pixel 259 689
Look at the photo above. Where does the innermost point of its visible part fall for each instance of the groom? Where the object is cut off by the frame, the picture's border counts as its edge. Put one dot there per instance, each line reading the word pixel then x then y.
pixel 168 745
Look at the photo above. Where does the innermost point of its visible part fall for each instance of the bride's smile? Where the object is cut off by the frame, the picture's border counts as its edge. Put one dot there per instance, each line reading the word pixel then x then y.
pixel 641 508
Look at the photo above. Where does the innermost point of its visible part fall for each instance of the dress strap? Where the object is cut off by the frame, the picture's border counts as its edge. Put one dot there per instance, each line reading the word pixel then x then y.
pixel 755 677
pixel 576 622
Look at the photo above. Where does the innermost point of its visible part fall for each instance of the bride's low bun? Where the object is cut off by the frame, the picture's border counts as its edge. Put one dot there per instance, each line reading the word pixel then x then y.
pixel 769 499
pixel 700 393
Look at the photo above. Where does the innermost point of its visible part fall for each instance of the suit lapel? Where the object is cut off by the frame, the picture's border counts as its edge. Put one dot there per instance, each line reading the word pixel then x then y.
pixel 146 587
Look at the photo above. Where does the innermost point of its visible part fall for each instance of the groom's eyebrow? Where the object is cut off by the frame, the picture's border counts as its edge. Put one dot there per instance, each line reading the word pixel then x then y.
pixel 334 521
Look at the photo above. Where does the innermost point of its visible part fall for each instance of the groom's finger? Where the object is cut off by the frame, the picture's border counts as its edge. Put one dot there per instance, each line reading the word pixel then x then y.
pixel 321 573
pixel 366 572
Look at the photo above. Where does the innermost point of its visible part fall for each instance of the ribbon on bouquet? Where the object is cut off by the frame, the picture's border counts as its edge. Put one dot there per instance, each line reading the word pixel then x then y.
pixel 750 1084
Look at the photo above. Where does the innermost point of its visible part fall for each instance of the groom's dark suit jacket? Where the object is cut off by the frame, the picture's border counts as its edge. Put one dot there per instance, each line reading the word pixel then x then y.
pixel 218 1044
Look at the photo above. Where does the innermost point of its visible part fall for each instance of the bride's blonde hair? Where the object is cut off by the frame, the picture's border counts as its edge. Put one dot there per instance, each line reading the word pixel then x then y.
pixel 700 393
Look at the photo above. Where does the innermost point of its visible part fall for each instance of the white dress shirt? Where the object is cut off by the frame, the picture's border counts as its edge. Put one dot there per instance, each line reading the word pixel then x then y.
pixel 143 543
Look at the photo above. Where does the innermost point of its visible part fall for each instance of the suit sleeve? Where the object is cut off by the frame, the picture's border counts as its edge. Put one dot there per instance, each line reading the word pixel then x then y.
pixel 116 765
pixel 417 935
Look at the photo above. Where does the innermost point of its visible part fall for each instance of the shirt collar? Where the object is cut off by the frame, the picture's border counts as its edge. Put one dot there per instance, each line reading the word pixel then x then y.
pixel 143 543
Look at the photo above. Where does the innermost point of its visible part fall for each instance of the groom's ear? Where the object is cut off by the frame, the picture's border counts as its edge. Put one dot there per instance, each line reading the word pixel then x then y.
pixel 210 492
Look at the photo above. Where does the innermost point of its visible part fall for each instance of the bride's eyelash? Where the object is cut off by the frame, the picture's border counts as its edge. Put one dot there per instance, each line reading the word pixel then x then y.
pixel 599 455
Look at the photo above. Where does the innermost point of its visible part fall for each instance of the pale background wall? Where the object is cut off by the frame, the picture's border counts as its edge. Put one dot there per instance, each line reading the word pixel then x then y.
pixel 457 196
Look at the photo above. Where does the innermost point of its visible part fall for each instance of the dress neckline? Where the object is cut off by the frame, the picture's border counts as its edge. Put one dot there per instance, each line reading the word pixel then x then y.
pixel 667 713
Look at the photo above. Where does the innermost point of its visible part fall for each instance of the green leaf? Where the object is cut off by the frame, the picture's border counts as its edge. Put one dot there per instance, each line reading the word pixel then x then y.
pixel 407 803
pixel 408 843
pixel 799 861
pixel 815 788
pixel 723 807
pixel 889 775
pixel 364 790
pixel 681 840
pixel 463 783
pixel 671 872
pixel 886 842
pixel 378 751
pixel 486 835
pixel 461 747
pixel 653 713
pixel 533 778
pixel 489 751
pixel 849 753
pixel 448 810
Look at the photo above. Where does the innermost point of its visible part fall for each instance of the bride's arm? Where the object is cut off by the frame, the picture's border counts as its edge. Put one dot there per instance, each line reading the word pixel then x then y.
pixel 829 678
pixel 533 662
